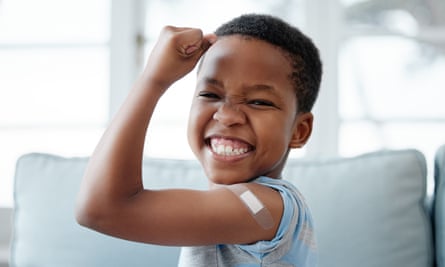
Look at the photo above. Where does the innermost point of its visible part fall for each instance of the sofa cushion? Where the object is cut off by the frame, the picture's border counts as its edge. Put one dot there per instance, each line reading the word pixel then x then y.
pixel 368 210
pixel 46 233
pixel 439 207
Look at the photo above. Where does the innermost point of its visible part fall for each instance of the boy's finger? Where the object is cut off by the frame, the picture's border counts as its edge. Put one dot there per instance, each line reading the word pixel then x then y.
pixel 189 41
pixel 207 41
pixel 211 38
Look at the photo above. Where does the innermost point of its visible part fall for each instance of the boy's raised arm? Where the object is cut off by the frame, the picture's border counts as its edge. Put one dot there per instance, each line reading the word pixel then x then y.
pixel 120 151
pixel 113 174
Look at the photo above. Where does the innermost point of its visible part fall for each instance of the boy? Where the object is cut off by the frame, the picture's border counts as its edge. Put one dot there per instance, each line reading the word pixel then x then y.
pixel 256 85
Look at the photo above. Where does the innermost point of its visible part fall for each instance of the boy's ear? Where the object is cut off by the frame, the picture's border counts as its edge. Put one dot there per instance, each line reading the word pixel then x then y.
pixel 302 130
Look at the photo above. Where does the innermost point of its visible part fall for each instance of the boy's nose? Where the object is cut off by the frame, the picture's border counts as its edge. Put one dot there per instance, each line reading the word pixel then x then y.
pixel 229 115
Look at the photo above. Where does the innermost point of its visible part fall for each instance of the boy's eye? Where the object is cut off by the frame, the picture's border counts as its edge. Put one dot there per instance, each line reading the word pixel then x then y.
pixel 259 102
pixel 209 95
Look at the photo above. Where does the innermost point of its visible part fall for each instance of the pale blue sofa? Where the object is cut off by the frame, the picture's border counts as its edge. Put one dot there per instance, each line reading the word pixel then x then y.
pixel 370 210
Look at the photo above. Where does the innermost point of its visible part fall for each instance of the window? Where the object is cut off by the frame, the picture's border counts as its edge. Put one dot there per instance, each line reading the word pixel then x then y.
pixel 50 100
pixel 391 65
pixel 383 71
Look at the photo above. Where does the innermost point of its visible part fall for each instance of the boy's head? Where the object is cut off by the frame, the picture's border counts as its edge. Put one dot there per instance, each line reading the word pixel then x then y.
pixel 253 98
pixel 304 56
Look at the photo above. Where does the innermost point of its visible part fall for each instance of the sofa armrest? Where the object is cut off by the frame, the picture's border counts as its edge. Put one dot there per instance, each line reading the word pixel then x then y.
pixel 5 235
pixel 439 205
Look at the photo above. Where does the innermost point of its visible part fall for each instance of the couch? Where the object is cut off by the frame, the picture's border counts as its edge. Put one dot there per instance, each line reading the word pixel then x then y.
pixel 369 210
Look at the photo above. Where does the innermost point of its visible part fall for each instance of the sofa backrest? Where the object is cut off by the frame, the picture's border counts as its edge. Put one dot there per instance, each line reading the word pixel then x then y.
pixel 369 211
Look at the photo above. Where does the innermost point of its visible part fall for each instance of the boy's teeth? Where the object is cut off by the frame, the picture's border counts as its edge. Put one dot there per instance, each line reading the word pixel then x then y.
pixel 228 148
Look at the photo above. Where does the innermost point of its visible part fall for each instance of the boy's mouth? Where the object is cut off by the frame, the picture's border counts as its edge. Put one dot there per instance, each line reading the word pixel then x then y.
pixel 228 147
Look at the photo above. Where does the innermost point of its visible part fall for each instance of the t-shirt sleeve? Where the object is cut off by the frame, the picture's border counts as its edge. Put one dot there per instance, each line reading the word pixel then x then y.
pixel 262 248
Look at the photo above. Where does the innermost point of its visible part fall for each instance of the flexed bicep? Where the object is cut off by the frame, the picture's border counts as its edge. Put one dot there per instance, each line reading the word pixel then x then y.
pixel 191 217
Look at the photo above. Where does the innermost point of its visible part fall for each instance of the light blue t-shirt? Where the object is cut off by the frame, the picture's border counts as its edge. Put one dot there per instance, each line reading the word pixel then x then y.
pixel 293 245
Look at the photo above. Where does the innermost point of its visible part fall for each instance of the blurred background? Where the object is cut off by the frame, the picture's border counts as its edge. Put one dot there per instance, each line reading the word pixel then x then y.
pixel 67 65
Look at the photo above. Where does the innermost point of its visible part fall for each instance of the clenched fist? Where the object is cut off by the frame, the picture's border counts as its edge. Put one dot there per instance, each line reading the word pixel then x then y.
pixel 175 54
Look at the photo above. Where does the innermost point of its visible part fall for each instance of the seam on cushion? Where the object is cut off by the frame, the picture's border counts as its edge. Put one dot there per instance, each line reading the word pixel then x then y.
pixel 439 179
pixel 422 205
pixel 439 161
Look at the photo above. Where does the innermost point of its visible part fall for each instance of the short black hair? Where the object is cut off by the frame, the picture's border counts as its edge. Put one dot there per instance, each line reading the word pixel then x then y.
pixel 304 55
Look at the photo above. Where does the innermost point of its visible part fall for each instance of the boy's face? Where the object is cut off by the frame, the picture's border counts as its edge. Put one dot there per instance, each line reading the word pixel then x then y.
pixel 244 118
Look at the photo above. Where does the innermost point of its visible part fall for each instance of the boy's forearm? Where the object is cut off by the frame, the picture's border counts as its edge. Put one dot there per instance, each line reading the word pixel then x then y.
pixel 122 145
pixel 114 171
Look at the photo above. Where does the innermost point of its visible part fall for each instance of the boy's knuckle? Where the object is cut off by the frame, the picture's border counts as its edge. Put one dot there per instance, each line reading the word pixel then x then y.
pixel 168 28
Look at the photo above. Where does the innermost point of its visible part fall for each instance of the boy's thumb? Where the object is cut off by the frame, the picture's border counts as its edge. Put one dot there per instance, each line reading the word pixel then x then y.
pixel 211 38
pixel 190 50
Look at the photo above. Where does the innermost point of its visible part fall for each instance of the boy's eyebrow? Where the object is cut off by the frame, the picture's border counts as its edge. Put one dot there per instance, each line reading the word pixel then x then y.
pixel 261 87
pixel 214 82
pixel 255 87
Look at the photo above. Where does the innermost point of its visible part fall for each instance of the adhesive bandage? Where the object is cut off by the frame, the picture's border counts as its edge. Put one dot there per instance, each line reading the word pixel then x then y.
pixel 259 212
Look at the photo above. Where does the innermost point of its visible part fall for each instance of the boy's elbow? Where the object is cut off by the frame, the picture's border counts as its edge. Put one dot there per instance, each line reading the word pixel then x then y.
pixel 89 215
pixel 84 217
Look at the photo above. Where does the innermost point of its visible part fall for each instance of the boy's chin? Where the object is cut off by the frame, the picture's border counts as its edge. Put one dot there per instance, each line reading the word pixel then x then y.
pixel 227 177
